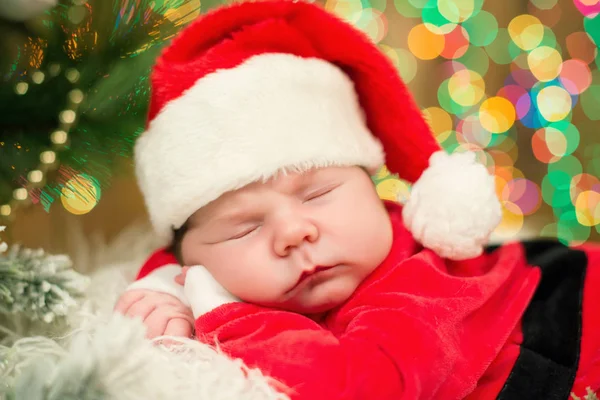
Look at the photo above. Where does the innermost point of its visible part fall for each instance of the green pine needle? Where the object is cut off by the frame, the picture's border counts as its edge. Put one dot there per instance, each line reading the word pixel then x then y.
pixel 39 286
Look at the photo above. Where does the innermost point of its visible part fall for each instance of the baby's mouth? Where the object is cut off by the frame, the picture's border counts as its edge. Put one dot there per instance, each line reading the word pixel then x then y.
pixel 307 274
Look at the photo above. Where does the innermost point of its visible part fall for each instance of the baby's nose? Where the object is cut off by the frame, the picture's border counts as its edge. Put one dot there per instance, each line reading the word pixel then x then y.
pixel 293 234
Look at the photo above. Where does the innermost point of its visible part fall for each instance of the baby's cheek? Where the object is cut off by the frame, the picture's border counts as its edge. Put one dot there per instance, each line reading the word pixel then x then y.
pixel 256 286
pixel 261 289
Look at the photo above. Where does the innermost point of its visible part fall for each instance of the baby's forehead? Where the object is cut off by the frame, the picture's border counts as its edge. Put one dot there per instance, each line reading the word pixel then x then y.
pixel 287 181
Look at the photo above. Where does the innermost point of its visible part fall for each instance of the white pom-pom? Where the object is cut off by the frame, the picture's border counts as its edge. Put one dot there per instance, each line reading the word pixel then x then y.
pixel 21 10
pixel 453 207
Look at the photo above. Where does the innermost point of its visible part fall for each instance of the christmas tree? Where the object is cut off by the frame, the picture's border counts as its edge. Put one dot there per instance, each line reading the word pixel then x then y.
pixel 74 92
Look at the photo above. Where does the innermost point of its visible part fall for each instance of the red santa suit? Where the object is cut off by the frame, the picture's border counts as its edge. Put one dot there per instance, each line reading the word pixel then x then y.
pixel 520 321
pixel 258 87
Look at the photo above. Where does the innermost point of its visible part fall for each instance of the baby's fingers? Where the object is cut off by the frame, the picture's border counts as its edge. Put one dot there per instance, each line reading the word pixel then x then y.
pixel 127 299
pixel 142 309
pixel 179 327
pixel 156 323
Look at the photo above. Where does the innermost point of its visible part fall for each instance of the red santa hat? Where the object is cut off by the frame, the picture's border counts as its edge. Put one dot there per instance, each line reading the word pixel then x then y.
pixel 255 88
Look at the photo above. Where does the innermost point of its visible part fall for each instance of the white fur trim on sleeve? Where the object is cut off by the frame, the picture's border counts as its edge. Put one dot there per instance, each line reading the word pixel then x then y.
pixel 453 207
pixel 162 280
pixel 204 292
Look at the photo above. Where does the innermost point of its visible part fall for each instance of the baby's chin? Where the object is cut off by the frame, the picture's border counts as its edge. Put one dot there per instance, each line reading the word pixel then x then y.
pixel 321 298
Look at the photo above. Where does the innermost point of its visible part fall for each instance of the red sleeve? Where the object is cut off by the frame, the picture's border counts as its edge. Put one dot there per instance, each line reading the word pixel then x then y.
pixel 369 361
pixel 411 331
pixel 158 259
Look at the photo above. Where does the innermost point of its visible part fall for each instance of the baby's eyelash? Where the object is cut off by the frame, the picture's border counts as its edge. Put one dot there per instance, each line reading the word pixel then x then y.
pixel 244 233
pixel 319 193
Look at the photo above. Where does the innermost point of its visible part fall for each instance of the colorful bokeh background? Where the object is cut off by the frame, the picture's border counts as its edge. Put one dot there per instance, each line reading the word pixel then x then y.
pixel 522 90
pixel 515 81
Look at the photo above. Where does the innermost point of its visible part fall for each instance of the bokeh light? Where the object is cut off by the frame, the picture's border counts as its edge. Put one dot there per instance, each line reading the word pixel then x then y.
pixel 544 4
pixel 373 22
pixel 526 31
pixel 545 63
pixel 590 99
pixel 425 44
pixel 447 102
pixel 587 207
pixel 554 103
pixel 575 76
pixel 497 114
pixel 475 59
pixel 589 8
pixel 581 47
pixel 549 15
pixel 524 194
pixel 456 43
pixel 404 61
pixel 512 220
pixel 409 9
pixel 393 189
pixel 498 50
pixel 471 131
pixel 520 73
pixel 519 97
pixel 80 194
pixel 439 121
pixel 550 144
pixel 482 28
pixel 466 87
pixel 457 11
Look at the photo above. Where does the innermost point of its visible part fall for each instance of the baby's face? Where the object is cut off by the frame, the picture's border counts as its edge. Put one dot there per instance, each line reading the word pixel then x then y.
pixel 300 242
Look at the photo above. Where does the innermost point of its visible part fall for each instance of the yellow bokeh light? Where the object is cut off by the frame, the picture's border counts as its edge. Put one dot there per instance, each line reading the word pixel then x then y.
pixel 500 183
pixel 185 13
pixel 403 60
pixel 526 31
pixel 439 121
pixel 80 195
pixel 587 208
pixel 456 11
pixel 554 103
pixel 466 87
pixel 425 44
pixel 373 23
pixel 545 63
pixel 512 220
pixel 497 114
pixel 382 173
pixel 348 10
pixel 393 189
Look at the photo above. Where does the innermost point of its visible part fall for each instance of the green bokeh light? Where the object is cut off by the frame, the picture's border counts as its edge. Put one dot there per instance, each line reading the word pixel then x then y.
pixel 482 29
pixel 498 50
pixel 475 59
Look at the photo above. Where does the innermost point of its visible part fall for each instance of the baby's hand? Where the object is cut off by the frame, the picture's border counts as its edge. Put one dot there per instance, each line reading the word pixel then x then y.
pixel 161 313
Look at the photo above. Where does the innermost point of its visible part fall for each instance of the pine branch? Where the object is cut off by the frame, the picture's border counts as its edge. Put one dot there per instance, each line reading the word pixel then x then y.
pixel 40 286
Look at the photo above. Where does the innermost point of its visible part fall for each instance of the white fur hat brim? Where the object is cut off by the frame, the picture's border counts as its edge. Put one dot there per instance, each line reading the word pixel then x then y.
pixel 240 125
